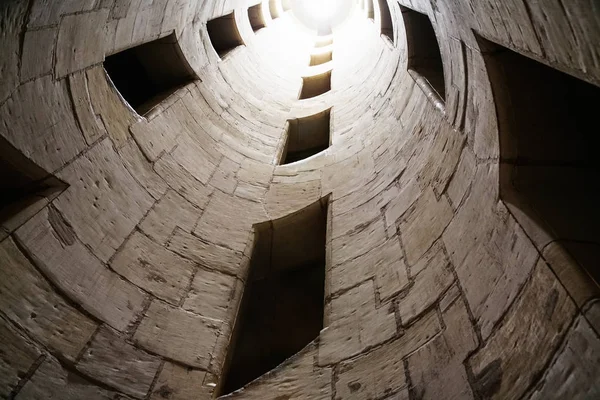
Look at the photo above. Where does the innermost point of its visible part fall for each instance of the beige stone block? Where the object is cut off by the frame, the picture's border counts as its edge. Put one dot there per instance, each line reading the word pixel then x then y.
pixel 154 268
pixel 13 15
pixel 531 329
pixel 283 199
pixel 462 177
pixel 459 333
pixel 211 294
pixel 38 53
pixel 45 12
pixel 399 205
pixel 116 115
pixel 194 159
pixel 178 334
pixel 359 242
pixel 103 202
pixel 81 41
pixel 227 221
pixel 42 127
pixel 17 355
pixel 207 254
pixel 52 381
pixel 224 176
pixel 141 169
pixel 355 324
pixel 429 284
pixel 74 270
pixel 573 372
pixel 91 124
pixel 182 181
pixel 27 299
pixel 423 224
pixel 297 378
pixel 118 364
pixel 180 383
pixel 169 213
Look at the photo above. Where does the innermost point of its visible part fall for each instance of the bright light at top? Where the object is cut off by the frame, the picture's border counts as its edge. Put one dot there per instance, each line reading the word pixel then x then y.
pixel 321 13
pixel 322 10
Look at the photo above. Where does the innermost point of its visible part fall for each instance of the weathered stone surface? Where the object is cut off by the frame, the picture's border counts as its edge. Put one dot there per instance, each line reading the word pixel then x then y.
pixel 297 378
pixel 423 224
pixel 435 374
pixel 118 364
pixel 38 49
pixel 91 124
pixel 103 203
pixel 75 271
pixel 357 243
pixel 154 268
pixel 52 381
pixel 141 169
pixel 355 324
pixel 42 127
pixel 17 355
pixel 522 345
pixel 283 199
pixel 204 253
pixel 180 383
pixel 593 314
pixel 459 333
pixel 462 177
pixel 81 40
pixel 382 371
pixel 227 221
pixel 574 373
pixel 178 334
pixel 398 206
pixel 170 212
pixel 210 294
pixel 28 300
pixel 13 15
pixel 429 284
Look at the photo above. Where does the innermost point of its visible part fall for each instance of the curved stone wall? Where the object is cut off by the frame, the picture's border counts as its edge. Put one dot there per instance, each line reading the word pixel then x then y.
pixel 122 276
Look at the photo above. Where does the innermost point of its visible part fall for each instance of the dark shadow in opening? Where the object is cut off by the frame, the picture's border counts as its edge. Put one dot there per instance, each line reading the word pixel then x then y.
pixel 320 58
pixel 224 34
pixel 313 86
pixel 307 137
pixel 255 16
pixel 547 123
pixel 424 56
pixel 282 307
pixel 147 74
pixel 387 26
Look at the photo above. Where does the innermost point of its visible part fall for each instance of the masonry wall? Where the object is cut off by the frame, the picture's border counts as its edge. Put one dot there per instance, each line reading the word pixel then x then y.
pixel 127 283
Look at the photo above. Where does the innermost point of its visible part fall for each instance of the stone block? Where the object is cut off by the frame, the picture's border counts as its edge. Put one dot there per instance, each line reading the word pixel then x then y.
pixel 154 268
pixel 118 364
pixel 38 53
pixel 211 294
pixel 180 383
pixel 90 123
pixel 178 334
pixel 29 300
pixel 103 202
pixel 141 169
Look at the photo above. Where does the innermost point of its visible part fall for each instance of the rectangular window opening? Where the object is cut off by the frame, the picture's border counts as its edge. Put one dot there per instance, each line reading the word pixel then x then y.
pixel 24 186
pixel 281 311
pixel 320 58
pixel 273 9
pixel 424 56
pixel 224 34
pixel 387 26
pixel 548 149
pixel 147 74
pixel 255 15
pixel 313 86
pixel 307 137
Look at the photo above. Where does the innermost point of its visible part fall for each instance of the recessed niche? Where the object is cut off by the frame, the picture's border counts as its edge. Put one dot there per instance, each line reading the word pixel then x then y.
pixel 147 74
pixel 224 34
pixel 424 56
pixel 547 123
pixel 282 306
pixel 320 58
pixel 273 9
pixel 324 42
pixel 24 187
pixel 316 85
pixel 255 15
pixel 307 137
pixel 370 10
pixel 387 26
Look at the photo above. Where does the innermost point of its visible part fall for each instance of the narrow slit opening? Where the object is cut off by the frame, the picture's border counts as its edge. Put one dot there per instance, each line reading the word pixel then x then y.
pixel 147 74
pixel 307 137
pixel 548 160
pixel 224 34
pixel 321 58
pixel 255 15
pixel 317 85
pixel 281 311
pixel 424 56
